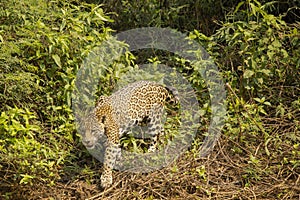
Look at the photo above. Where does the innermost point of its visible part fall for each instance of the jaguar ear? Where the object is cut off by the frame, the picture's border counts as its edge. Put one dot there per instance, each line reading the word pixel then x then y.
pixel 101 100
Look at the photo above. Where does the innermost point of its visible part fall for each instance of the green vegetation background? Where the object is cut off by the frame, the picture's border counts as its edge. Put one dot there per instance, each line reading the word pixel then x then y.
pixel 43 43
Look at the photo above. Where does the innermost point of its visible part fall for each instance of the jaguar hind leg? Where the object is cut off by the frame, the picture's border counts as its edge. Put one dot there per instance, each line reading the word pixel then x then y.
pixel 155 129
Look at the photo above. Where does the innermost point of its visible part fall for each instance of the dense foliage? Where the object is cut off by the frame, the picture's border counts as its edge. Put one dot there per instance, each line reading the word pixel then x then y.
pixel 43 44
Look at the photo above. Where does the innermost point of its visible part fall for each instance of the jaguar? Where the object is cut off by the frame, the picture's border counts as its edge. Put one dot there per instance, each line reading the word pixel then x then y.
pixel 114 115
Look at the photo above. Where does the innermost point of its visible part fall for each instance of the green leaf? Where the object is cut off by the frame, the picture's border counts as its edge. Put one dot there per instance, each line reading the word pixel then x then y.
pixel 266 72
pixel 56 59
pixel 267 103
pixel 276 44
pixel 26 179
pixel 238 7
pixel 99 14
pixel 248 73
pixel 285 53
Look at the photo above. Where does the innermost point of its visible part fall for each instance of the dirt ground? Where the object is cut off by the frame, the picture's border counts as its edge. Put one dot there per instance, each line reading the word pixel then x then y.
pixel 221 175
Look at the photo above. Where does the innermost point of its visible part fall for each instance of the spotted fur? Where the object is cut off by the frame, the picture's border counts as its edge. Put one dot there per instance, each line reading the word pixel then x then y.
pixel 115 114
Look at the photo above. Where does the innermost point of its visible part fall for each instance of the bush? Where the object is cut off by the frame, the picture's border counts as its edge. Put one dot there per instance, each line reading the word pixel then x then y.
pixel 42 46
pixel 259 58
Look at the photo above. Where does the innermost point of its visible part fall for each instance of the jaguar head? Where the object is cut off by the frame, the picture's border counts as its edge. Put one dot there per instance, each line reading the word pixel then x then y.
pixel 92 131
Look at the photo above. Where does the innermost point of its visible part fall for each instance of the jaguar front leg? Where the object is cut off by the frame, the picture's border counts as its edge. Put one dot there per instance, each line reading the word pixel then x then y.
pixel 112 148
pixel 111 153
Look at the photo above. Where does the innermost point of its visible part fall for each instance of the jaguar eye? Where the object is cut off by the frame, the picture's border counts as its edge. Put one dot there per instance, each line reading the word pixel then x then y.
pixel 94 129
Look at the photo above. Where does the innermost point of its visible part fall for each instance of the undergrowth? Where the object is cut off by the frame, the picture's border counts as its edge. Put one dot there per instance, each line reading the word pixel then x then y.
pixel 42 46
